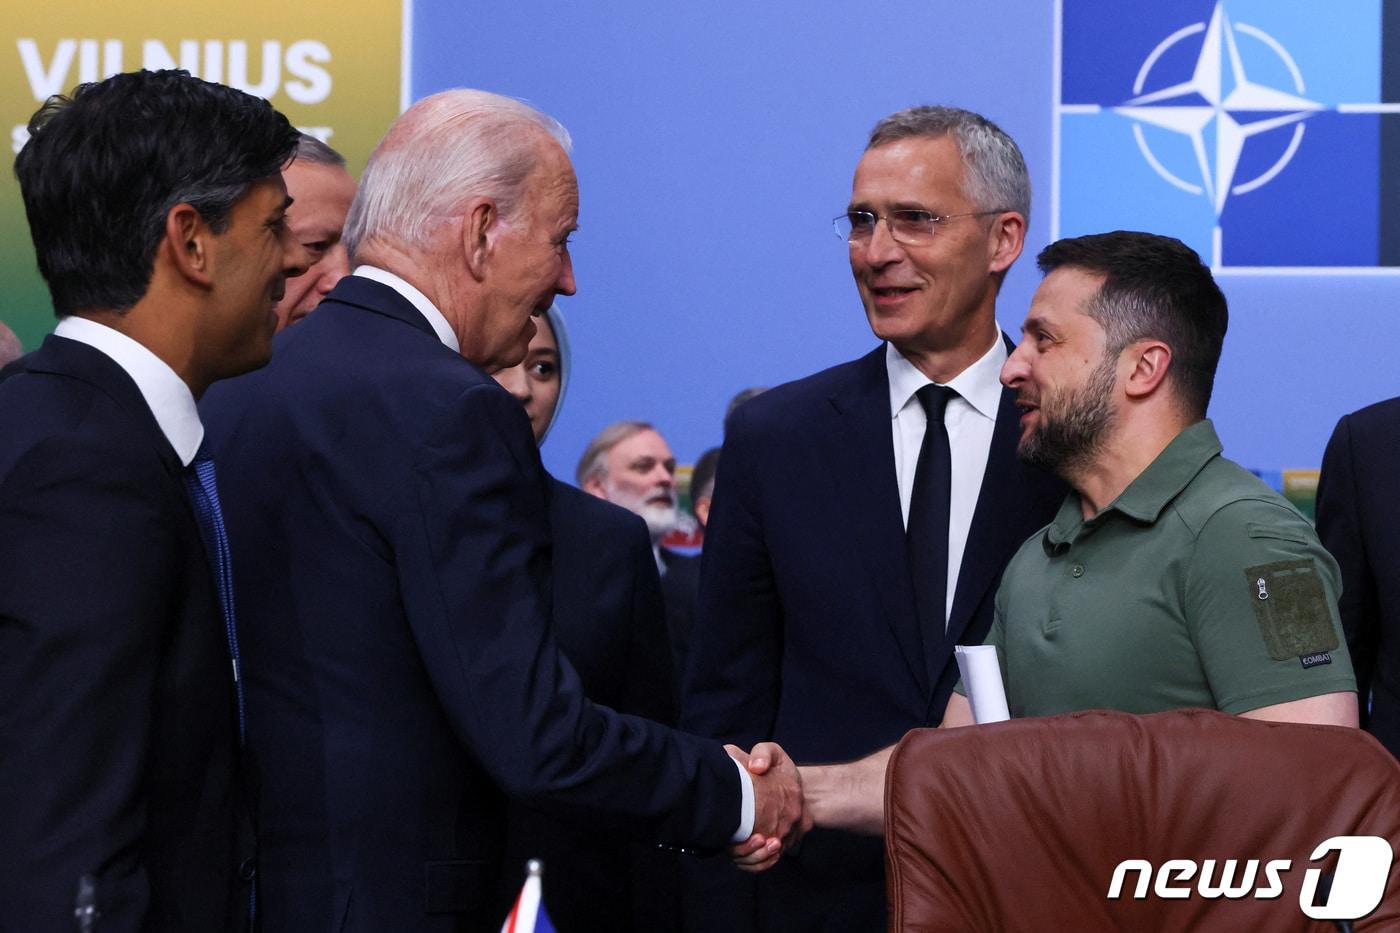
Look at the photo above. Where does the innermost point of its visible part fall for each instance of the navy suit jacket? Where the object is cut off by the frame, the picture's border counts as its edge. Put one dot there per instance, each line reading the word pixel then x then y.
pixel 1358 520
pixel 118 746
pixel 680 589
pixel 388 515
pixel 608 622
pixel 807 632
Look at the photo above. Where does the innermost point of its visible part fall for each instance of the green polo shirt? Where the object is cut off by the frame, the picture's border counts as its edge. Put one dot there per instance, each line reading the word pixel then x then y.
pixel 1198 586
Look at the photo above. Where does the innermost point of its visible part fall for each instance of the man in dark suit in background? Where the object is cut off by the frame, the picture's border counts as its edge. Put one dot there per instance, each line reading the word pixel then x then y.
pixel 389 517
pixel 1358 520
pixel 863 515
pixel 629 463
pixel 680 588
pixel 156 207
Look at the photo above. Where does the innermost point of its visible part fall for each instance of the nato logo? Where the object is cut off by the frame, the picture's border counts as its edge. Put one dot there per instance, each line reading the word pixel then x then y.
pixel 1256 131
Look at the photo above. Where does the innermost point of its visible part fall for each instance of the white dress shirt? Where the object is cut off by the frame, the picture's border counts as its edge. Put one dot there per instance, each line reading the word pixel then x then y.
pixel 449 339
pixel 416 298
pixel 165 393
pixel 971 417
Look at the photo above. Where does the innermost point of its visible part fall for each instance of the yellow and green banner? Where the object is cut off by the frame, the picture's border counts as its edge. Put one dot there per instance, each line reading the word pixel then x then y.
pixel 334 68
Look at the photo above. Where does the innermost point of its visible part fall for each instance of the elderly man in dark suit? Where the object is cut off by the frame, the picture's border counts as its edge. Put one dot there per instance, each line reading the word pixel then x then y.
pixel 156 207
pixel 1358 519
pixel 389 515
pixel 862 516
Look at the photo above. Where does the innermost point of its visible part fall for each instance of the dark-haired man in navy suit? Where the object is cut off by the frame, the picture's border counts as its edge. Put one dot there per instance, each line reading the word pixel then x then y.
pixel 389 518
pixel 862 516
pixel 157 207
pixel 1358 520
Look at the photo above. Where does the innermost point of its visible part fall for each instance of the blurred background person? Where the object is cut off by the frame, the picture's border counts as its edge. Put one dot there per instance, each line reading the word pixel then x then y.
pixel 608 621
pixel 702 485
pixel 630 464
pixel 740 398
pixel 321 190
pixel 680 588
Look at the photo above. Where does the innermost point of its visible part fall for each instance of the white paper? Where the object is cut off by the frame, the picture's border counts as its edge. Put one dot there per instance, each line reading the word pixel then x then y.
pixel 981 678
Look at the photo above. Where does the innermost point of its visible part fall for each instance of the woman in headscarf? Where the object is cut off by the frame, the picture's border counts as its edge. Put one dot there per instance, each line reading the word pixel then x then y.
pixel 609 622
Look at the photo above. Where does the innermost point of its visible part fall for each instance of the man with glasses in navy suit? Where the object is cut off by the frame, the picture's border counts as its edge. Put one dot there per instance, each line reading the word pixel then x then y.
pixel 862 516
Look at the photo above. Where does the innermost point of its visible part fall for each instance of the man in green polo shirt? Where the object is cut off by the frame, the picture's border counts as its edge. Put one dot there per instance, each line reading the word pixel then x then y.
pixel 1171 577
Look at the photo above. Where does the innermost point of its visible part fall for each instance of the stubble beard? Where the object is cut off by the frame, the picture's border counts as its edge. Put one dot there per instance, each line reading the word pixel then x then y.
pixel 1074 424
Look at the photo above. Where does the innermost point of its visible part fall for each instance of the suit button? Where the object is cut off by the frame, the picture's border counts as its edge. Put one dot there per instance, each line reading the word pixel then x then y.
pixel 1077 570
pixel 248 869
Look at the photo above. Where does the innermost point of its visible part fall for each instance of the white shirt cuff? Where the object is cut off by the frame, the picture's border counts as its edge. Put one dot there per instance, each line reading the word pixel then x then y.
pixel 745 829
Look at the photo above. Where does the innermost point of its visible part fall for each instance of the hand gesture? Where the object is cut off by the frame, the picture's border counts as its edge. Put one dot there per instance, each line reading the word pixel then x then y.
pixel 780 817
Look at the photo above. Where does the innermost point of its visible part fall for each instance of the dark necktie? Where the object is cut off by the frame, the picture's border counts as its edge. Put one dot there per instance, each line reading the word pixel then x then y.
pixel 204 493
pixel 927 536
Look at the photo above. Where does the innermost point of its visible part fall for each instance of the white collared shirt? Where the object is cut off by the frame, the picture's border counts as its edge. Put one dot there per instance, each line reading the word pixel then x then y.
pixel 970 418
pixel 416 298
pixel 165 393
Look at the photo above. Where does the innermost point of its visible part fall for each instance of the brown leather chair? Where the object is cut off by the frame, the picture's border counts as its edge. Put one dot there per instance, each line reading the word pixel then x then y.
pixel 1020 825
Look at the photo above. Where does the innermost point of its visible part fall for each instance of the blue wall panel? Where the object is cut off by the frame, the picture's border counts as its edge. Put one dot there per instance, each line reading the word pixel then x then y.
pixel 715 141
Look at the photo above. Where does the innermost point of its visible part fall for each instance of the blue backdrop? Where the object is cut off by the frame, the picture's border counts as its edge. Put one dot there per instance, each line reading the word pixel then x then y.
pixel 715 141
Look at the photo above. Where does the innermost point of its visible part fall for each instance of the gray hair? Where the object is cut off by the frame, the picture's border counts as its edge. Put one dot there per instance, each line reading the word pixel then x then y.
pixel 443 151
pixel 997 179
pixel 314 152
pixel 591 464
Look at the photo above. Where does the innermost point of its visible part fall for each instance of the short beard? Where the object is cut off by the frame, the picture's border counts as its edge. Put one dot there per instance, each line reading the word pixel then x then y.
pixel 661 519
pixel 1073 425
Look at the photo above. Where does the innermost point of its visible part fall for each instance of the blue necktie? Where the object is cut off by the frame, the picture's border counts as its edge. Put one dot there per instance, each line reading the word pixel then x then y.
pixel 204 492
pixel 927 534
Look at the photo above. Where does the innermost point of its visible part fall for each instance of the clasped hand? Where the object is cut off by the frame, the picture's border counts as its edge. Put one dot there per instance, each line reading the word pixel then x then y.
pixel 781 816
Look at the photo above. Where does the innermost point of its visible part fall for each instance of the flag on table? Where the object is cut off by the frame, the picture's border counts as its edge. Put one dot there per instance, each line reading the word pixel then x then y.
pixel 528 916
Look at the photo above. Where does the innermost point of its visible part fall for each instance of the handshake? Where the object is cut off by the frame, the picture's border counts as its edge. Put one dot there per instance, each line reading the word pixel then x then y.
pixel 789 801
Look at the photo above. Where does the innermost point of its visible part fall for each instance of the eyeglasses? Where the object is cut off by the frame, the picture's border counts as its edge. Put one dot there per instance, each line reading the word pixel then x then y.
pixel 907 227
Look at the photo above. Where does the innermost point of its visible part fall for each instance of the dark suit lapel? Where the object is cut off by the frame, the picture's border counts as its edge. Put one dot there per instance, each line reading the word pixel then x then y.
pixel 861 452
pixel 63 357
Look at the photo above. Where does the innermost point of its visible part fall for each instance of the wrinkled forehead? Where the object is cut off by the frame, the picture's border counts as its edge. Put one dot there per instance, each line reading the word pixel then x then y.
pixel 647 443
pixel 909 171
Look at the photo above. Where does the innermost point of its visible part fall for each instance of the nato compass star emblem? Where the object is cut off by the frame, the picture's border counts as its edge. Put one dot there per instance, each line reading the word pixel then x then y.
pixel 1219 95
pixel 1193 115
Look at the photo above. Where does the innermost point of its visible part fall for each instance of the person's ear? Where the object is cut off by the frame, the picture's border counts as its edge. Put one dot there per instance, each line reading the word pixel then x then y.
pixel 1150 360
pixel 593 485
pixel 1008 237
pixel 480 225
pixel 701 508
pixel 188 242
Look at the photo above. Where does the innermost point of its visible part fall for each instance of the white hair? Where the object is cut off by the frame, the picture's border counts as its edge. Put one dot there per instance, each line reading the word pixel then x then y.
pixel 443 151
